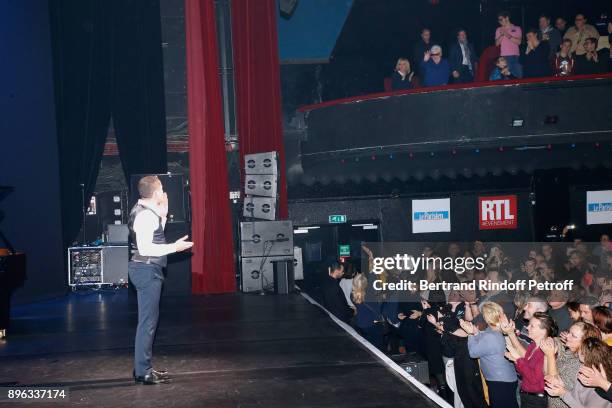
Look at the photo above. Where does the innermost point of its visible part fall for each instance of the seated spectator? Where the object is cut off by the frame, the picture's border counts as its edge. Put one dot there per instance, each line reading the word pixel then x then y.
pixel 402 76
pixel 602 318
pixel 592 61
pixel 535 58
pixel 508 38
pixel 333 297
pixel 593 354
pixel 563 61
pixel 547 33
pixel 529 362
pixel 421 46
pixel 579 33
pixel 562 356
pixel 368 318
pixel 489 346
pixel 561 25
pixel 462 59
pixel 501 70
pixel 435 69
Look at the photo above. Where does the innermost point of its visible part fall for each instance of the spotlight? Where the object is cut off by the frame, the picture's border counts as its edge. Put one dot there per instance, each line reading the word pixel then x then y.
pixel 391 156
pixel 432 154
pixel 373 157
pixel 477 151
pixel 551 119
pixel 453 152
pixel 410 155
pixel 500 149
pixel 517 122
pixel 573 145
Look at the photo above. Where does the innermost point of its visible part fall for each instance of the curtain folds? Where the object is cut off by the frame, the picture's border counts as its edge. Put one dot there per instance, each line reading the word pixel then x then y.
pixel 257 73
pixel 212 263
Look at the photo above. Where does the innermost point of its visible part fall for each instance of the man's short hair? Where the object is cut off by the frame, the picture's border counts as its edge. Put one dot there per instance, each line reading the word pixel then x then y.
pixel 461 30
pixel 532 31
pixel 425 29
pixel 504 14
pixel 546 16
pixel 590 301
pixel 335 266
pixel 566 40
pixel 147 186
pixel 591 40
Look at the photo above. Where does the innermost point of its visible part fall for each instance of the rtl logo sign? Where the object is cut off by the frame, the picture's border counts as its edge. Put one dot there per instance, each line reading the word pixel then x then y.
pixel 497 212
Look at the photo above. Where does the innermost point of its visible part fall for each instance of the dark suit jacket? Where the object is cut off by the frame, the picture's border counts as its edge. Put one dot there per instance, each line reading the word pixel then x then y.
pixel 334 300
pixel 455 56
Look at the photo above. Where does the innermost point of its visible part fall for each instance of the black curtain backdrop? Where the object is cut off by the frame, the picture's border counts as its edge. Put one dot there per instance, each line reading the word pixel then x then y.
pixel 107 63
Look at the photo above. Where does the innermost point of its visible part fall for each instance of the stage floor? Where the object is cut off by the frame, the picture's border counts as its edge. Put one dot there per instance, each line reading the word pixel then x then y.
pixel 233 350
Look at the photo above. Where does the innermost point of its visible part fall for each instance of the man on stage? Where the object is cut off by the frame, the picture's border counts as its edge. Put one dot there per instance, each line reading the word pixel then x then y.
pixel 148 251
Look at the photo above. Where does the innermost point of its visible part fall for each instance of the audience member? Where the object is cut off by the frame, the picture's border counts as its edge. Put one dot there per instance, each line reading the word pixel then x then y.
pixel 579 34
pixel 333 297
pixel 592 61
pixel 368 317
pixel 529 362
pixel 593 353
pixel 462 59
pixel 489 346
pixel 423 45
pixel 547 33
pixel 402 76
pixel 574 310
pixel 501 70
pixel 535 58
pixel 508 37
pixel 346 283
pixel 587 304
pixel 563 61
pixel 602 318
pixel 561 25
pixel 557 300
pixel 434 68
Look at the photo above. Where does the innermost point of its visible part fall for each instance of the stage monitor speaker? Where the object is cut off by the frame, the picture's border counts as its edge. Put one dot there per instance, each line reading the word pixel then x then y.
pixel 115 264
pixel 263 208
pixel 287 7
pixel 117 234
pixel 298 263
pixel 261 163
pixel 261 185
pixel 284 280
pixel 255 274
pixel 273 237
pixel 175 186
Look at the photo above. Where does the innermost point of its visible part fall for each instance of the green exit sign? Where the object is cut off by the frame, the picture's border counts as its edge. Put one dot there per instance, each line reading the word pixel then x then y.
pixel 344 250
pixel 337 219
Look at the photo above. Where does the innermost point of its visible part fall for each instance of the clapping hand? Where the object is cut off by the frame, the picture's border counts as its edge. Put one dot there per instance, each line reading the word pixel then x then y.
pixel 548 346
pixel 563 336
pixel 415 315
pixel 427 56
pixel 507 326
pixel 594 377
pixel 554 385
pixel 511 354
pixel 468 327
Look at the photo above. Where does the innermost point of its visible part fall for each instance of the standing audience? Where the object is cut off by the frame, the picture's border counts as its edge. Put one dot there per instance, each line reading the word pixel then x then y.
pixel 462 59
pixel 434 68
pixel 579 34
pixel 508 38
pixel 535 58
pixel 547 33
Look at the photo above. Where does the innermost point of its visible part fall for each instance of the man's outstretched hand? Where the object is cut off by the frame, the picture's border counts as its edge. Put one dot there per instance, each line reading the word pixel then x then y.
pixel 182 244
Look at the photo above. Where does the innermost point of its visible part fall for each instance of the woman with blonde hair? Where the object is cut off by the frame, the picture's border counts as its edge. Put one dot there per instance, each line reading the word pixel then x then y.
pixel 490 346
pixel 369 320
pixel 402 76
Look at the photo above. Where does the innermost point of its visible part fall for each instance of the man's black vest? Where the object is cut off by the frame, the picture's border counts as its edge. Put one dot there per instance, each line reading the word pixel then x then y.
pixel 158 238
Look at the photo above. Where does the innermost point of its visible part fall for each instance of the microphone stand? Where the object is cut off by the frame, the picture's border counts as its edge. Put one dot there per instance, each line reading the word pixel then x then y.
pixel 84 209
pixel 269 243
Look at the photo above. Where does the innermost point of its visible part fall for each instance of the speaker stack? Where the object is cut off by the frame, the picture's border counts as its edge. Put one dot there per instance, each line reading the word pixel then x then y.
pixel 266 243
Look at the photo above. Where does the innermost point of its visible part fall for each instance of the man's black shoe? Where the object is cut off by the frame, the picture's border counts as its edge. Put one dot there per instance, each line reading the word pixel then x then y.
pixel 150 379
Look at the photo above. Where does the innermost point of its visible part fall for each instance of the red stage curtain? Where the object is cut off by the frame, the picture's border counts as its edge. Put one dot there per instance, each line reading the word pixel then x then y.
pixel 257 83
pixel 212 264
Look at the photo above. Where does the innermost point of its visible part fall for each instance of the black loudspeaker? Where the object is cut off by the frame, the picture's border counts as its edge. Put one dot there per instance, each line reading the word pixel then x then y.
pixel 263 208
pixel 176 188
pixel 115 265
pixel 266 238
pixel 287 7
pixel 284 280
pixel 261 163
pixel 178 271
pixel 112 207
pixel 264 185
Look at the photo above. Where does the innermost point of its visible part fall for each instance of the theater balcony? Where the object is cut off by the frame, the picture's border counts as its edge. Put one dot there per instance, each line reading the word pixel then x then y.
pixel 457 131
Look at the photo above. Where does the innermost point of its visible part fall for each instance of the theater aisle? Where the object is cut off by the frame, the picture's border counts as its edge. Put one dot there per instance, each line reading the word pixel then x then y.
pixel 233 350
